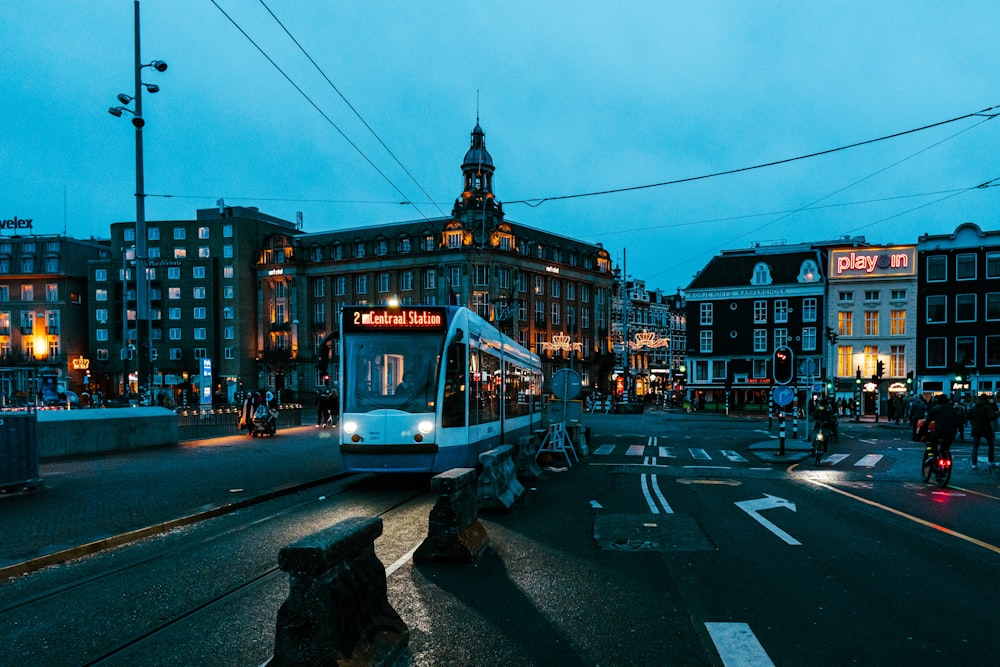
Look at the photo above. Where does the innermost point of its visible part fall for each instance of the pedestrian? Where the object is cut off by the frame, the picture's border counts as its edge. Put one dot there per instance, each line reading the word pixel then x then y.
pixel 981 419
pixel 322 410
pixel 917 411
pixel 248 408
pixel 962 413
pixel 333 406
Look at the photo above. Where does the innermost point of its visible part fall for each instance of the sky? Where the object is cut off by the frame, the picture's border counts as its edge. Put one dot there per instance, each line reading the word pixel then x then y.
pixel 360 114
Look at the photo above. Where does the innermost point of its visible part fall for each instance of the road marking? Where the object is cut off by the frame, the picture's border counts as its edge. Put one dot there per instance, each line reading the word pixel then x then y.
pixel 834 459
pixel 635 450
pixel 755 506
pixel 923 522
pixel 737 645
pixel 651 482
pixel 700 480
pixel 699 454
pixel 604 450
pixel 733 456
pixel 869 460
pixel 667 453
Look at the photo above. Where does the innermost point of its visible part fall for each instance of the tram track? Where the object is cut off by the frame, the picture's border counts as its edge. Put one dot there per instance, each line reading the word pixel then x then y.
pixel 154 566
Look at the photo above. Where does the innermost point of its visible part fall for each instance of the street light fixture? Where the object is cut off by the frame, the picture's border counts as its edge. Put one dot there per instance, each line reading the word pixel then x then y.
pixel 145 361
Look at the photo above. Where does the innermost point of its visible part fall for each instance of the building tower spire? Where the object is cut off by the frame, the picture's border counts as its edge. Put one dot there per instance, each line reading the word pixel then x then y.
pixel 477 201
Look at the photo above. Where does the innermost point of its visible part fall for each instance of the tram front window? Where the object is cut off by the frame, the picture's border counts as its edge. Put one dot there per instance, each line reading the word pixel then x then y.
pixel 396 371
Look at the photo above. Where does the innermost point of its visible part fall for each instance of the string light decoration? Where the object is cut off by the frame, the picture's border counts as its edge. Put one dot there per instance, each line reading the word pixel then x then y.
pixel 562 342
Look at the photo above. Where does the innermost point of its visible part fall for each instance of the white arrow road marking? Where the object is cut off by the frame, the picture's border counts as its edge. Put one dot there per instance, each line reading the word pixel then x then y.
pixel 755 506
pixel 596 505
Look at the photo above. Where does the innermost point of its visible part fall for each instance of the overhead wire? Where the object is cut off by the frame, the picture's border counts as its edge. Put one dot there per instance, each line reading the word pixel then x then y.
pixel 351 107
pixel 317 108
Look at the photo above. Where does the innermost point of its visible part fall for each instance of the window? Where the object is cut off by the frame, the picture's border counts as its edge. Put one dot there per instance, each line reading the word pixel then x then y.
pixel 481 275
pixel 965 350
pixel 705 342
pixel 128 234
pixel 51 292
pixel 936 352
pixel 179 233
pixel 198 272
pixel 539 285
pixel 180 253
pixel 203 251
pixel 383 281
pixel 845 360
pixel 200 353
pixel 200 312
pixel 993 265
pixel 174 313
pixel 554 287
pixel 555 314
pixel 228 313
pixel 174 333
pixel 456 276
pixel 761 274
pixel 198 292
pixel 897 295
pixel 406 281
pixel 760 312
pixel 453 239
pixel 428 243
pixel 381 248
pixel 781 310
pixel 153 233
pixel 175 353
pixel 200 333
pixel 808 338
pixel 173 272
pixel 340 287
pixel 965 266
pixel 871 322
pixel 27 292
pixel 845 296
pixel 760 340
pixel 203 232
pixel 937 268
pixel 705 310
pixel 897 361
pixel 430 279
pixel 845 323
pixel 993 306
pixel 227 251
pixel 227 292
pixel 539 312
pixel 872 295
pixel 359 249
pixel 937 307
pixel 361 284
pixel 101 335
pixel 897 323
pixel 809 310
pixel 780 337
pixel 101 315
pixel 101 295
pixel 965 308
pixel 229 353
pixel 570 291
pixel 101 275
pixel 993 350
pixel 403 245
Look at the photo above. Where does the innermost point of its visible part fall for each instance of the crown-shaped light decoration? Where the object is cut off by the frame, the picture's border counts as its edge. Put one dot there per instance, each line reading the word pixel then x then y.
pixel 648 339
pixel 562 342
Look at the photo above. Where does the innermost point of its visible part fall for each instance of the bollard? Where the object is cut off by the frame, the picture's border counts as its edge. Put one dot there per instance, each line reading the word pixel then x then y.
pixel 498 487
pixel 454 534
pixel 337 610
pixel 781 433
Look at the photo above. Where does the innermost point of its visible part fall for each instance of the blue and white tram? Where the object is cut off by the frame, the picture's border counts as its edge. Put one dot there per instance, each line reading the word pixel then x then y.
pixel 429 388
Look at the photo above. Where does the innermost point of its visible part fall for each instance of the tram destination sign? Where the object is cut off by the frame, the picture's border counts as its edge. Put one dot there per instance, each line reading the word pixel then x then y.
pixel 408 318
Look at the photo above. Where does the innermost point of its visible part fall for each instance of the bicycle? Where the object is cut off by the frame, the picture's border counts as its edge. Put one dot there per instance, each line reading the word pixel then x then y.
pixel 937 463
pixel 821 441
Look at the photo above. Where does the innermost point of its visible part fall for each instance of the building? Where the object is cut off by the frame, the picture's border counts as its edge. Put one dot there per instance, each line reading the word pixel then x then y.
pixel 43 315
pixel 741 308
pixel 549 292
pixel 203 343
pixel 958 311
pixel 872 310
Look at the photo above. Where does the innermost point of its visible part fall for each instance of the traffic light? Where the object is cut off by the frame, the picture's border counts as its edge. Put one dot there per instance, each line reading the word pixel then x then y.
pixel 831 335
pixel 857 377
pixel 879 369
pixel 909 377
pixel 784 365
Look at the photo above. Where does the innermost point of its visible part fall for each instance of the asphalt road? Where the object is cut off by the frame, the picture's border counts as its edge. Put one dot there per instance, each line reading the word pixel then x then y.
pixel 682 539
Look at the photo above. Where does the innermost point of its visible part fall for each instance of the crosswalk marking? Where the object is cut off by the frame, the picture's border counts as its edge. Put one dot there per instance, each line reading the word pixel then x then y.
pixel 667 453
pixel 635 450
pixel 834 459
pixel 869 460
pixel 733 456
pixel 604 450
pixel 699 454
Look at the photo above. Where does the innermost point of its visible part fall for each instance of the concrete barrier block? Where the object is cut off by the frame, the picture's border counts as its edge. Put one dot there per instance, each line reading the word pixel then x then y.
pixel 499 487
pixel 337 611
pixel 454 533
pixel 524 458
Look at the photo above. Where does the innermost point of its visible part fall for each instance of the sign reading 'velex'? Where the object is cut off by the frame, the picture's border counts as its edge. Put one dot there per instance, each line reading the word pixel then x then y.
pixel 15 223
pixel 884 262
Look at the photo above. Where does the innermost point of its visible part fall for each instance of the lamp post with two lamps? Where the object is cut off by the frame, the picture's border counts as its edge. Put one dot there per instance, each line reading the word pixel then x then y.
pixel 143 340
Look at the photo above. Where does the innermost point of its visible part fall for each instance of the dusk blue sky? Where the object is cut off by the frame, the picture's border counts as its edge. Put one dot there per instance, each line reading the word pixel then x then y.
pixel 574 98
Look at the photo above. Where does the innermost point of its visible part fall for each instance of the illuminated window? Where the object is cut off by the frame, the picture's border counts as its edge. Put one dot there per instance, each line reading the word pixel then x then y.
pixel 101 295
pixel 871 322
pixel 897 323
pixel 180 253
pixel 897 361
pixel 453 239
pixel 845 323
pixel 203 252
pixel 203 232
pixel 173 292
pixel 870 360
pixel 845 360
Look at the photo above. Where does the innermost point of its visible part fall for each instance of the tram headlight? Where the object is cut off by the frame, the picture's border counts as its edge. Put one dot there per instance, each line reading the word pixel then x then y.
pixel 425 426
pixel 350 426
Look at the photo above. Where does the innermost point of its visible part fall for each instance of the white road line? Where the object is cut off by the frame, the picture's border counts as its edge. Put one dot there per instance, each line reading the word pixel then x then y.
pixel 733 456
pixel 635 450
pixel 604 450
pixel 834 459
pixel 659 495
pixel 644 483
pixel 869 460
pixel 667 453
pixel 699 454
pixel 737 645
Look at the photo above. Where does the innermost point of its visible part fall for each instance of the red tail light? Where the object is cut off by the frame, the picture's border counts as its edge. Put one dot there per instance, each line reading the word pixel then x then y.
pixel 944 463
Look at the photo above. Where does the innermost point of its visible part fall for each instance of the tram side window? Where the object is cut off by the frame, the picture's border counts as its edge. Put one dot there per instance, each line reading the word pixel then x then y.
pixel 484 400
pixel 453 407
pixel 515 392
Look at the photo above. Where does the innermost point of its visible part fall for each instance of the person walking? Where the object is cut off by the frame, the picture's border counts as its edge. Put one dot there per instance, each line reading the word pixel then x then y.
pixel 981 418
pixel 917 411
pixel 322 409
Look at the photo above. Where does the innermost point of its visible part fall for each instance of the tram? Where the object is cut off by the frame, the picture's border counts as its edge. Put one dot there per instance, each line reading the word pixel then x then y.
pixel 429 388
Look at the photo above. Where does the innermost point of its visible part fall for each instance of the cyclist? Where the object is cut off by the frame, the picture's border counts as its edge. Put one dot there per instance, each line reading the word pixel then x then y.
pixel 945 420
pixel 826 417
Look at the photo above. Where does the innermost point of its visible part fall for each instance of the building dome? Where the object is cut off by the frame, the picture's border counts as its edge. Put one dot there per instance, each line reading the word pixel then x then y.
pixel 477 154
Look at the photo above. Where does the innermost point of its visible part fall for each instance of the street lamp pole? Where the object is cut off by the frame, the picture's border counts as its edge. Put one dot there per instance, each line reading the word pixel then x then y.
pixel 142 333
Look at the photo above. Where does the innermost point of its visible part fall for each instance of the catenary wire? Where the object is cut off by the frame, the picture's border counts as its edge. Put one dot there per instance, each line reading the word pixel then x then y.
pixel 316 107
pixel 351 107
